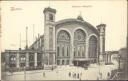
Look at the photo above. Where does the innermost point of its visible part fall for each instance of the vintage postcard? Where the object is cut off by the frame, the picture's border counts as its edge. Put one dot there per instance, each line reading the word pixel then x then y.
pixel 63 40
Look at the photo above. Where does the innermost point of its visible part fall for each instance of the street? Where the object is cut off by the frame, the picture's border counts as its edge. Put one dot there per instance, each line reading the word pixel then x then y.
pixel 94 72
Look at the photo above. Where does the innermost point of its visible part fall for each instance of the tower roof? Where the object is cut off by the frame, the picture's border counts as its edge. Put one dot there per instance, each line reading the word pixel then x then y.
pixel 49 9
pixel 102 25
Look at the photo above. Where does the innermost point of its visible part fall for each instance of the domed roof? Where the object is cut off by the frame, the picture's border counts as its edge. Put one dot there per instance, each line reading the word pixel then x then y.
pixel 80 18
pixel 77 21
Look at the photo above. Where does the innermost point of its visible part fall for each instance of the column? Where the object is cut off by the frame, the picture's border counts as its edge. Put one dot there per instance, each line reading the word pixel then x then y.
pixel 17 59
pixel 106 58
pixel 87 48
pixel 48 57
pixel 42 59
pixel 71 51
pixel 27 59
pixel 35 59
pixel 110 58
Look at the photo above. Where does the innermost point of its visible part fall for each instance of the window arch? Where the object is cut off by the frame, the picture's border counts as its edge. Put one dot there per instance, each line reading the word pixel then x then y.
pixel 93 47
pixel 79 43
pixel 63 36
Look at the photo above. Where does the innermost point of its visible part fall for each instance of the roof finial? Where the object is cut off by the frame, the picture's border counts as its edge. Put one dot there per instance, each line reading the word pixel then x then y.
pixel 80 17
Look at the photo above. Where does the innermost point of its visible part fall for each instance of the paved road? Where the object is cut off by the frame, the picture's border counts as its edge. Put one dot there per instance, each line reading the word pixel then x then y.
pixel 94 72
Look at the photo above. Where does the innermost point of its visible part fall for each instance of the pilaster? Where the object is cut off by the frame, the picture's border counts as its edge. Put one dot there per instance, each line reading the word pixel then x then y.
pixel 17 59
pixel 35 60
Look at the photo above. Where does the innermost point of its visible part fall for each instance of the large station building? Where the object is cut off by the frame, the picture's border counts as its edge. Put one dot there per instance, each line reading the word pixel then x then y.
pixel 65 42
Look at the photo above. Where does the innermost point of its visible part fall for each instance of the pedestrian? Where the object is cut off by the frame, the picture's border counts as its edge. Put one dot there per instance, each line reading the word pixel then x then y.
pixel 43 74
pixel 69 74
pixel 108 75
pixel 78 75
pixel 74 75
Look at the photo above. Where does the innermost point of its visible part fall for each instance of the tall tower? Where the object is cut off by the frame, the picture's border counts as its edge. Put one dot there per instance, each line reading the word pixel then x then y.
pixel 49 35
pixel 102 55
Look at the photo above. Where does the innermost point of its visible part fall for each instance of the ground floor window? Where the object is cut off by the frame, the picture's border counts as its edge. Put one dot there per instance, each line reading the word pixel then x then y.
pixel 31 64
pixel 39 59
pixel 67 62
pixel 12 65
pixel 62 62
pixel 58 62
pixel 22 64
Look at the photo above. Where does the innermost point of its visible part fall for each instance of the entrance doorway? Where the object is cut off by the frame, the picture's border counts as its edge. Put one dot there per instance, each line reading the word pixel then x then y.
pixel 81 63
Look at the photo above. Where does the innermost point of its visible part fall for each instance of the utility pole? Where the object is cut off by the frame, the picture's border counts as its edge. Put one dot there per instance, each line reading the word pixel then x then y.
pixel 26 37
pixel 33 32
pixel 20 41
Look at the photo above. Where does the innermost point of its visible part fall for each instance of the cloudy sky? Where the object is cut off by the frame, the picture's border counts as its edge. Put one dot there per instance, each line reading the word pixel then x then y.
pixel 17 15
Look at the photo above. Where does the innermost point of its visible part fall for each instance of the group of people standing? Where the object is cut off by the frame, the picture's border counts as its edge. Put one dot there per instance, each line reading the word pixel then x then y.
pixel 75 75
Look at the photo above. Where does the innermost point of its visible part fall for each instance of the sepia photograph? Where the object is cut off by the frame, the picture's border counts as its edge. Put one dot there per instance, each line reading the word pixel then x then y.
pixel 63 40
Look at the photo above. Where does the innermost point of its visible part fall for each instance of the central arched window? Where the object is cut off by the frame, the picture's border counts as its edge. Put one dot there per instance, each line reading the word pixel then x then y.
pixel 93 47
pixel 63 44
pixel 79 43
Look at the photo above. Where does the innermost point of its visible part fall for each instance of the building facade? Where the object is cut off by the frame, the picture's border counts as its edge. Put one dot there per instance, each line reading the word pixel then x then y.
pixel 65 42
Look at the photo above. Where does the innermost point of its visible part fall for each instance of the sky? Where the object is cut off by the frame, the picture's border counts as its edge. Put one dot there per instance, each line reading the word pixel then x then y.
pixel 17 15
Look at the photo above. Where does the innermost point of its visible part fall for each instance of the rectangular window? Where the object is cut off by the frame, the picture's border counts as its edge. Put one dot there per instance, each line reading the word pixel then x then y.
pixel 58 51
pixel 83 51
pixel 78 51
pixel 65 49
pixel 50 59
pixel 74 52
pixel 67 62
pixel 50 38
pixel 62 51
pixel 68 50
